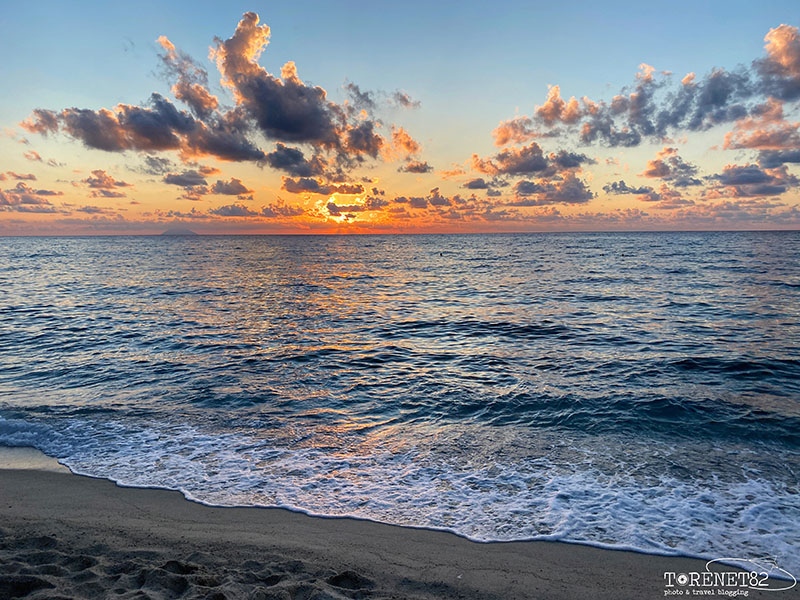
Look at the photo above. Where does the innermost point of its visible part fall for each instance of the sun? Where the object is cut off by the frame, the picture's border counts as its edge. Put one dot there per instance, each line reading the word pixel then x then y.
pixel 339 212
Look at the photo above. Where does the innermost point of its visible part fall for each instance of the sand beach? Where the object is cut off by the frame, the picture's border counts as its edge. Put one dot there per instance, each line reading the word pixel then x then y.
pixel 69 536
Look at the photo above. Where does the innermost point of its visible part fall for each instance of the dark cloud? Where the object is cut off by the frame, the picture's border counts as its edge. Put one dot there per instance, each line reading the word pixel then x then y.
pixel 186 179
pixel 476 184
pixel 745 181
pixel 284 108
pixel 370 204
pixel 566 190
pixel 234 187
pixel 158 126
pixel 195 193
pixel 362 139
pixel 528 160
pixel 294 162
pixel 570 160
pixel 415 166
pixel 770 159
pixel 336 210
pixel 435 198
pixel 513 161
pixel 620 187
pixel 669 166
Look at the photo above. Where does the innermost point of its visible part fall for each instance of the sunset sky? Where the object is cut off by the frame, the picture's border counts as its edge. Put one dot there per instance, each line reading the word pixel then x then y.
pixel 359 117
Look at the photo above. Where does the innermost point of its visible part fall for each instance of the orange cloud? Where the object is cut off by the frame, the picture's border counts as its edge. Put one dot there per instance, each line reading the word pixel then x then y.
pixel 767 130
pixel 783 47
pixel 556 109
pixel 517 130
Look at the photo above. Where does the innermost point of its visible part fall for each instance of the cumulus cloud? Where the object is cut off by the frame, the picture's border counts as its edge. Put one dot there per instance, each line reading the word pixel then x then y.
pixel 528 160
pixel 192 80
pixel 751 180
pixel 234 187
pixel 103 181
pixel 23 198
pixel 403 143
pixel 293 161
pixel 185 179
pixel 157 126
pixel 555 109
pixel 665 198
pixel 316 137
pixel 415 166
pixel 513 161
pixel 566 190
pixel 515 131
pixel 780 70
pixel 620 187
pixel 770 159
pixel 477 183
pixel 285 108
pixel 653 107
pixel 765 129
pixel 669 166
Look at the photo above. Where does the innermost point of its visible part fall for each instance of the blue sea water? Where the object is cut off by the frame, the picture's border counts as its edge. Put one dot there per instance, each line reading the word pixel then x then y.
pixel 637 390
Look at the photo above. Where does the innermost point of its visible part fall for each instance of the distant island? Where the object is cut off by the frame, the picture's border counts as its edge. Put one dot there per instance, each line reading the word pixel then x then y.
pixel 179 231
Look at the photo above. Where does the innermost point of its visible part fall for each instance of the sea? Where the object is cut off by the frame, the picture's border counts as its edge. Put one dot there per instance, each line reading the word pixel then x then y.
pixel 626 390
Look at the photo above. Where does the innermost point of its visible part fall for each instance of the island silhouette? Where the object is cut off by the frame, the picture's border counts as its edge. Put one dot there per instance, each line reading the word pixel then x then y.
pixel 179 231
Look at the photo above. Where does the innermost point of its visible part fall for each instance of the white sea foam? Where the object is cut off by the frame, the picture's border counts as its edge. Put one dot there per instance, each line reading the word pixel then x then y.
pixel 506 499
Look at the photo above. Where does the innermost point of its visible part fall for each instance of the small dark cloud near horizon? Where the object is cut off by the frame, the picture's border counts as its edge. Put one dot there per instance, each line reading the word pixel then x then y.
pixel 620 187
pixel 24 199
pixel 185 179
pixel 415 166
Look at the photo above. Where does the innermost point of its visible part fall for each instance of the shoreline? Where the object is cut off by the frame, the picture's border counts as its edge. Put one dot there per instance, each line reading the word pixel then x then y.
pixel 61 533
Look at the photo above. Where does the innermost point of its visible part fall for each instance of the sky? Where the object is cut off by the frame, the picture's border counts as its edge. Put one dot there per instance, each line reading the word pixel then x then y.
pixel 369 117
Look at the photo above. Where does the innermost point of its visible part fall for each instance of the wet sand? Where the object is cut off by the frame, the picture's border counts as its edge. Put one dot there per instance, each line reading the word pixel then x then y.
pixel 67 536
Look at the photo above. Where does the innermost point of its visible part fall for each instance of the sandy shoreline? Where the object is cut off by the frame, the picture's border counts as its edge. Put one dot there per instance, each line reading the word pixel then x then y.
pixel 67 536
